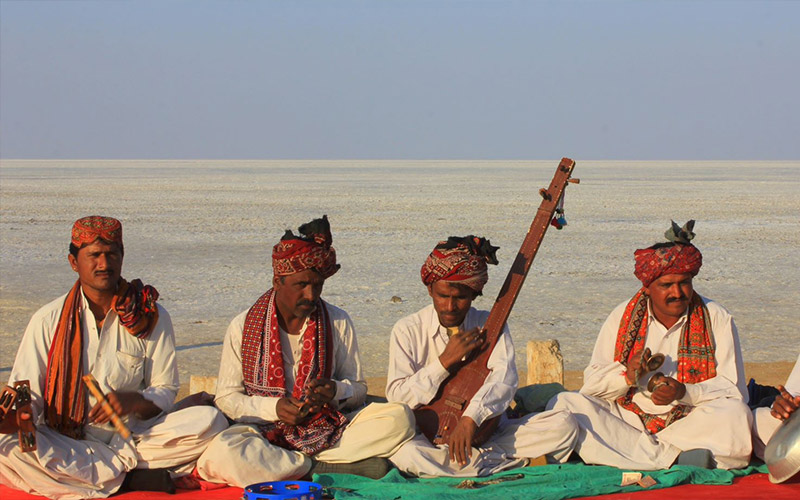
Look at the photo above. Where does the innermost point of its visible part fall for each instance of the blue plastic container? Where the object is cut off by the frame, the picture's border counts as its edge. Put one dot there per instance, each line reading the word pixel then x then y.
pixel 283 490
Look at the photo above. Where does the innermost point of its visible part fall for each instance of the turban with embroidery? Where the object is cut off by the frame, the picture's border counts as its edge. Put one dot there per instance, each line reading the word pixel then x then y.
pixel 87 230
pixel 676 258
pixel 460 260
pixel 311 250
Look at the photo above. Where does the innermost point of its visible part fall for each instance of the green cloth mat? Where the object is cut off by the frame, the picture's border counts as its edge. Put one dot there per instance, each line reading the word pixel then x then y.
pixel 544 482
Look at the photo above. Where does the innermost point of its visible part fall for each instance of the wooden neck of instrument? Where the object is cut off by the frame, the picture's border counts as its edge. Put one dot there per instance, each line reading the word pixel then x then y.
pixel 527 252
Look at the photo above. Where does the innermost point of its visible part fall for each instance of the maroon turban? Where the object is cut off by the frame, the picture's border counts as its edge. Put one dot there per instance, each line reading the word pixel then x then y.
pixel 460 260
pixel 676 258
pixel 87 230
pixel 311 250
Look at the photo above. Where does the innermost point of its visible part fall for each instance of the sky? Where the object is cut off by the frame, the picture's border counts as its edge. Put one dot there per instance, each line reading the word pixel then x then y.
pixel 411 79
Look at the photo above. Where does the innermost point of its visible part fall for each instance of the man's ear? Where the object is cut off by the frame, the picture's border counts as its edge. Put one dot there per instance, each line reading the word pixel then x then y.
pixel 430 290
pixel 73 262
pixel 276 280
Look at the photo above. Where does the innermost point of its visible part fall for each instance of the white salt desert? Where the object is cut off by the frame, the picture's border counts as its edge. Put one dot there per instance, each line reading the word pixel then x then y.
pixel 201 232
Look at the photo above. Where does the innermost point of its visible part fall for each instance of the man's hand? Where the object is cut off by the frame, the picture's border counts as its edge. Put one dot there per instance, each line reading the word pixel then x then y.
pixel 292 411
pixel 9 424
pixel 124 403
pixel 460 441
pixel 637 366
pixel 197 399
pixel 320 391
pixel 667 390
pixel 461 345
pixel 785 404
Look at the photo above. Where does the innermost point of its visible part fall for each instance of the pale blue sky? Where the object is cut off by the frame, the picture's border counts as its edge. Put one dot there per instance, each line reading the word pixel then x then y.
pixel 385 79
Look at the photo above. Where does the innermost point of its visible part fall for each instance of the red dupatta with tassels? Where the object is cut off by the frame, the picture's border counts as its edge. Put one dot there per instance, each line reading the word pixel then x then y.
pixel 263 373
pixel 696 360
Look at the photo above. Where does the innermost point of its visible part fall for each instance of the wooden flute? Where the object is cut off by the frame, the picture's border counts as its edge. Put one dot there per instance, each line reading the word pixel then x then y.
pixel 91 384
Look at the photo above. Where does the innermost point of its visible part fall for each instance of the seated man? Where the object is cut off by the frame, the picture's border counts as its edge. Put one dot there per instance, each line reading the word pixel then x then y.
pixel 767 420
pixel 114 330
pixel 632 418
pixel 422 354
pixel 289 365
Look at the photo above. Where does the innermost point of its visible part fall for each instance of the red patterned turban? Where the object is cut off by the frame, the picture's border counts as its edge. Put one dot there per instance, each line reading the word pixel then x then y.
pixel 311 250
pixel 665 258
pixel 87 230
pixel 460 260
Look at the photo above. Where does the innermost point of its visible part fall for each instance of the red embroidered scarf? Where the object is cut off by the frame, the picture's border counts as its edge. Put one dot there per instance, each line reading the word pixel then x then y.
pixel 64 393
pixel 263 373
pixel 695 353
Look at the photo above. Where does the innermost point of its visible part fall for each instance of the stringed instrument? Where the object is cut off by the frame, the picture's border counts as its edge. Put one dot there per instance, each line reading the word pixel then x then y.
pixel 439 418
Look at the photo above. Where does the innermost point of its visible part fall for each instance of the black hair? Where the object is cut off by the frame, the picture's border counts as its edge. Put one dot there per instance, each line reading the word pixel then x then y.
pixel 664 244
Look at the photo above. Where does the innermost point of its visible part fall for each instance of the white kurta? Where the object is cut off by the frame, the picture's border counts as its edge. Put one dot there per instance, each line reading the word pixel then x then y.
pixel 240 455
pixel 62 467
pixel 233 400
pixel 764 424
pixel 415 374
pixel 611 435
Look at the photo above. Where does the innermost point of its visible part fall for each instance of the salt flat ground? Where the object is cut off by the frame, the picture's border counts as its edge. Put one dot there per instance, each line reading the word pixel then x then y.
pixel 201 232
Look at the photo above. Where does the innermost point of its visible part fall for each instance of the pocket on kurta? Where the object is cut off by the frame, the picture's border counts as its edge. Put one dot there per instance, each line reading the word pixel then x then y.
pixel 128 372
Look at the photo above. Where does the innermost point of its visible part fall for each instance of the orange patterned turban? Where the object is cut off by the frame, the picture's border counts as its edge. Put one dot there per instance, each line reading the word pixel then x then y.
pixel 87 230
pixel 460 260
pixel 677 257
pixel 311 250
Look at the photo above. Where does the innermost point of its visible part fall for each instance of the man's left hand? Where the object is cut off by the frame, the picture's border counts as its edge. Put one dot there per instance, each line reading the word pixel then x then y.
pixel 124 403
pixel 460 441
pixel 321 390
pixel 668 390
pixel 9 424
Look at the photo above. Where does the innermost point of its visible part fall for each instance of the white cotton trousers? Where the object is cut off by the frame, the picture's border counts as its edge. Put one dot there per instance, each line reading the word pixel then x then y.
pixel 612 435
pixel 66 468
pixel 764 426
pixel 550 433
pixel 241 456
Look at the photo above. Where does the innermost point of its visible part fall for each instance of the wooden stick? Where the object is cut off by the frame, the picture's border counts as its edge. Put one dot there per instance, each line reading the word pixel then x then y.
pixel 91 384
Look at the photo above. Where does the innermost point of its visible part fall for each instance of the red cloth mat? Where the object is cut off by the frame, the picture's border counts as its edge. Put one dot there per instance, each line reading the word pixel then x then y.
pixel 228 493
pixel 749 487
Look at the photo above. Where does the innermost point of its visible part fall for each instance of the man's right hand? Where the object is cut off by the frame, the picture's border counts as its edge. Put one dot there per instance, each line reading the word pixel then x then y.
pixel 785 404
pixel 291 411
pixel 461 345
pixel 637 366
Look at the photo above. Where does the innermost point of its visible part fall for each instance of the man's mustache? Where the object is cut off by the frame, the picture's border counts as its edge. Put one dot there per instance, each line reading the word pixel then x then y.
pixel 306 303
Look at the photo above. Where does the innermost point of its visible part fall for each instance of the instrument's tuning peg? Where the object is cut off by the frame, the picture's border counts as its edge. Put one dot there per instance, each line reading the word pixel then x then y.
pixel 574 181
pixel 545 194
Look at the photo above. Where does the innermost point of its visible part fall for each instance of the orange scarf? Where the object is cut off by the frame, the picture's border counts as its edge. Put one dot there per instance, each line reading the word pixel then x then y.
pixel 64 394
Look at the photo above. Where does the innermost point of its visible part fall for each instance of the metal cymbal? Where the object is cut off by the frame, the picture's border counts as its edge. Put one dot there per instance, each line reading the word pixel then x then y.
pixel 782 454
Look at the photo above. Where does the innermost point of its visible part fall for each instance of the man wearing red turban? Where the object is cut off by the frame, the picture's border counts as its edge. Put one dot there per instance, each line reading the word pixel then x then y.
pixel 666 380
pixel 429 345
pixel 290 368
pixel 114 330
